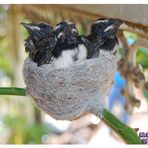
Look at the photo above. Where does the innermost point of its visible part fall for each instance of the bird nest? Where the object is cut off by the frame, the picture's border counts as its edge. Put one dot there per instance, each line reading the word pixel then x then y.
pixel 66 94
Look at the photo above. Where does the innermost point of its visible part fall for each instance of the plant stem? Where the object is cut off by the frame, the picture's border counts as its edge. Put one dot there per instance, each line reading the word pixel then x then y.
pixel 12 91
pixel 127 133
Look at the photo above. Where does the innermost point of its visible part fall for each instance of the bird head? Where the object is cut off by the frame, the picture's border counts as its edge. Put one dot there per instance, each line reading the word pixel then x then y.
pixel 66 33
pixel 105 27
pixel 37 30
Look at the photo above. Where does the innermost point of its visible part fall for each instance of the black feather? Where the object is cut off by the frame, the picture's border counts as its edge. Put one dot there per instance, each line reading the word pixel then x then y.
pixel 45 50
pixel 40 43
pixel 69 39
pixel 100 39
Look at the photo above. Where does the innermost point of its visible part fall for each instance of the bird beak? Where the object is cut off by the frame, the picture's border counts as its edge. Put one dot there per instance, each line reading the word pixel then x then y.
pixel 114 25
pixel 30 27
pixel 117 23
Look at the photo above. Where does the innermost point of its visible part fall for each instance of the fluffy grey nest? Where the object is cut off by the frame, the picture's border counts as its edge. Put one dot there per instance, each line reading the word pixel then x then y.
pixel 66 94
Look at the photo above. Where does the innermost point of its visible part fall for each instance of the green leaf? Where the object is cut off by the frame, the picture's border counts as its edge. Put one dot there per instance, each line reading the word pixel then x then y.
pixel 145 92
pixel 142 57
pixel 36 131
pixel 127 133
pixel 130 35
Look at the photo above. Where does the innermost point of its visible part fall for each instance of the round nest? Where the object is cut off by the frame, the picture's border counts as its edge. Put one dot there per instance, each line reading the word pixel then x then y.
pixel 66 94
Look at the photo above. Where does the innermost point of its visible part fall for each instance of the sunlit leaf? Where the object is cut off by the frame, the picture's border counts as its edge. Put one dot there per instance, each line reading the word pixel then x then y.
pixel 142 57
pixel 130 35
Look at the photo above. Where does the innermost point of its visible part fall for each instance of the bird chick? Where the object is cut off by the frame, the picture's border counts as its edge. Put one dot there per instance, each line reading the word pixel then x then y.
pixel 40 43
pixel 102 36
pixel 69 49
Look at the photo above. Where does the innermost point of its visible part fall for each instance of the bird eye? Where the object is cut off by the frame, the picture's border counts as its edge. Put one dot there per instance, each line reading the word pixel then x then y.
pixel 100 26
pixel 73 26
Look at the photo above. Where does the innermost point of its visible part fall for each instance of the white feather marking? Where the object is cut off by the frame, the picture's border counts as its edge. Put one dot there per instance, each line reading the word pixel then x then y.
pixel 57 27
pixel 100 21
pixel 67 57
pixel 82 52
pixel 60 34
pixel 35 28
pixel 113 53
pixel 69 23
pixel 108 28
pixel 65 60
pixel 74 30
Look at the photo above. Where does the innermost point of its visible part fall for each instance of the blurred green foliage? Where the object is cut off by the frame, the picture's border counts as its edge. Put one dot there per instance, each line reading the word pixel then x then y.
pixel 121 52
pixel 142 57
pixel 24 132
pixel 1 9
pixel 24 32
pixel 131 35
pixel 145 92
pixel 5 59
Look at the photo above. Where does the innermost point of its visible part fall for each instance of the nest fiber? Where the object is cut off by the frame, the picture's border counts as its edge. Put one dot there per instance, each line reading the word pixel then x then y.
pixel 66 94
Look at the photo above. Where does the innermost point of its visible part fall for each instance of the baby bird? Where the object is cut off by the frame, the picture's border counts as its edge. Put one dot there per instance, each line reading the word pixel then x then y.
pixel 69 48
pixel 63 46
pixel 40 43
pixel 102 36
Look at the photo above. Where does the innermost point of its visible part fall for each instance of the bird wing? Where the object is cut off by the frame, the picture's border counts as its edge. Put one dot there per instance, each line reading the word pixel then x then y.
pixel 45 50
pixel 30 48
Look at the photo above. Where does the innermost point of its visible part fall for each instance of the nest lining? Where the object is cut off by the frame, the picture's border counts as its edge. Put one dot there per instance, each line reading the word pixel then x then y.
pixel 66 94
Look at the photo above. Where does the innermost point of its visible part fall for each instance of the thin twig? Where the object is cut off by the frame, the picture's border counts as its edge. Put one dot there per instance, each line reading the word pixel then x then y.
pixel 12 91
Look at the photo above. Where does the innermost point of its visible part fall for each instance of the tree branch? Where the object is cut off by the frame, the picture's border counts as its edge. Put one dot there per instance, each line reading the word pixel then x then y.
pixel 12 91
